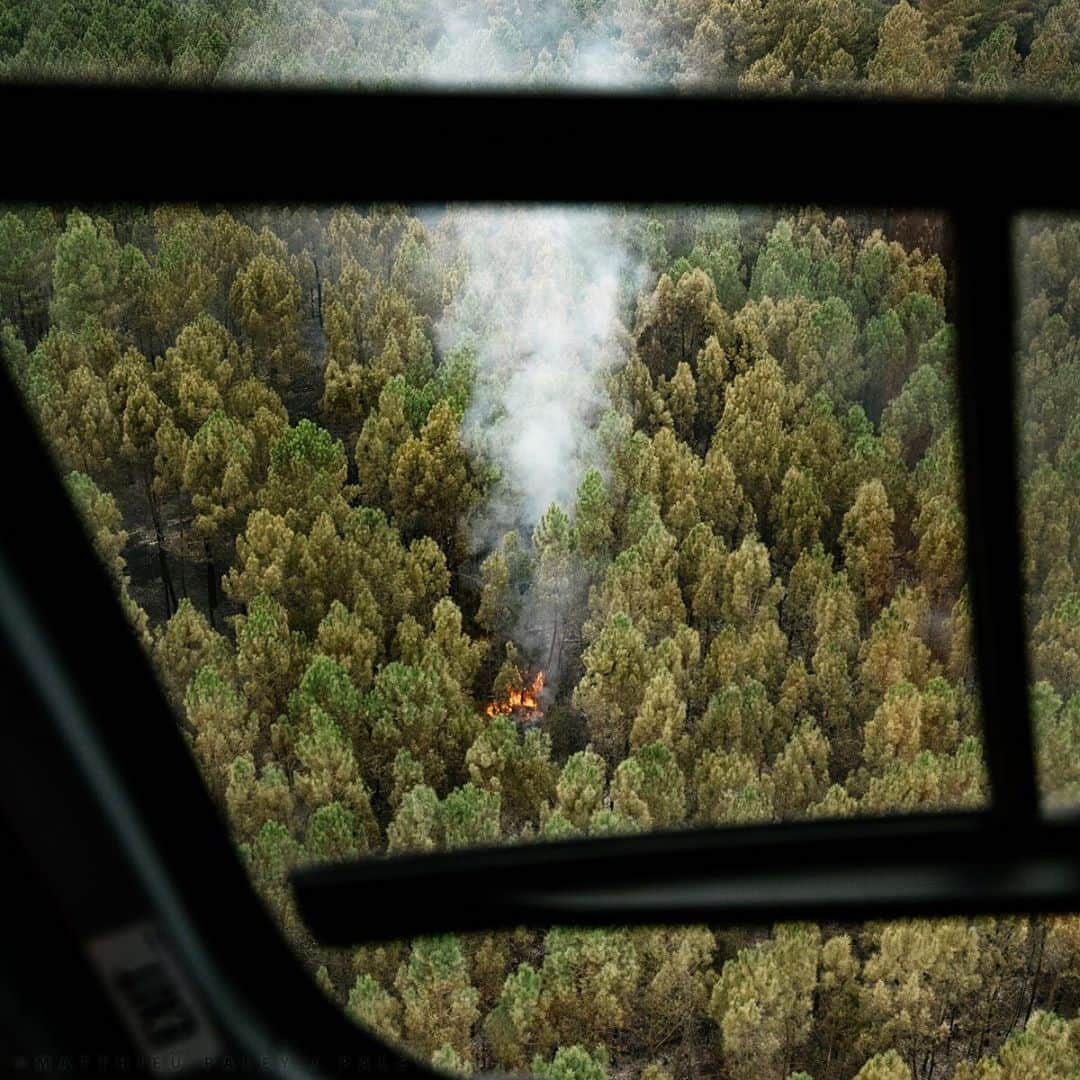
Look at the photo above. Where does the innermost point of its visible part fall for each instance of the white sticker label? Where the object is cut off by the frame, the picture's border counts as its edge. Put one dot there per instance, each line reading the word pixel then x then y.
pixel 154 997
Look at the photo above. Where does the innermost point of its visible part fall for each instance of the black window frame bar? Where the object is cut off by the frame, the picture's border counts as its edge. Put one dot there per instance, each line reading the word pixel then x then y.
pixel 956 156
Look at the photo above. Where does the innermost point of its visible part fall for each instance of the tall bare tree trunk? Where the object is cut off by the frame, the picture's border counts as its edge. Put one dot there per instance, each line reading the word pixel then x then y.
pixel 159 541
pixel 1036 975
pixel 211 584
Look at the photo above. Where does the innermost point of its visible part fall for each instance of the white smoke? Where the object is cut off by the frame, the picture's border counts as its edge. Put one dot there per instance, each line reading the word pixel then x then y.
pixel 540 310
pixel 599 65
pixel 441 44
pixel 478 50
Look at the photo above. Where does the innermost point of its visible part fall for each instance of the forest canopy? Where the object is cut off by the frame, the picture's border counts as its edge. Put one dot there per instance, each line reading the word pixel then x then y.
pixel 459 525
pixel 880 47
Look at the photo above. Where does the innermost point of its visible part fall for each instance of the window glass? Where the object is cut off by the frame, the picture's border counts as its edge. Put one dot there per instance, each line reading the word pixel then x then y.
pixel 463 525
pixel 929 47
pixel 1049 431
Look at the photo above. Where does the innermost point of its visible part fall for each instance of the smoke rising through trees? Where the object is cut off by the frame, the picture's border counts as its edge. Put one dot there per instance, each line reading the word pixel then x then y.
pixel 539 309
pixel 302 440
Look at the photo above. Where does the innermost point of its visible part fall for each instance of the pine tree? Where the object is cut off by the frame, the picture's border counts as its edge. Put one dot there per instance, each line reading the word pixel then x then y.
pixel 385 430
pixel 753 432
pixel 224 730
pixel 573 1063
pixel 353 638
pixel 587 981
pixel 516 767
pixel 219 477
pixel 677 982
pixel 799 776
pixel 680 398
pixel 887 1066
pixel 867 540
pixel 675 322
pixel 430 483
pixel 593 516
pixel 375 1008
pixel 85 273
pixel 415 826
pixel 800 513
pixel 438 1000
pixel 511 1027
pixel 265 301
pixel 255 798
pixel 917 1015
pixel 763 1001
pixel 1053 64
pixel 469 816
pixel 662 717
pixel 185 644
pixel 728 790
pixel 995 63
pixel 908 60
pixel 648 787
pixel 580 789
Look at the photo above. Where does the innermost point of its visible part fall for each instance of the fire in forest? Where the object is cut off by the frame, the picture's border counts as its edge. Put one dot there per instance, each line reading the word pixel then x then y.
pixel 522 703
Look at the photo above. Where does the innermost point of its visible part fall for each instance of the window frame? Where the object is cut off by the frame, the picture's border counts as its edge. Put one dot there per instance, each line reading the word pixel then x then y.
pixel 949 155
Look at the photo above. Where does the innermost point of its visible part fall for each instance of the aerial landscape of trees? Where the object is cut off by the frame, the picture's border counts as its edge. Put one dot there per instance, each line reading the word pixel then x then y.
pixel 447 526
pixel 908 47
pixel 295 437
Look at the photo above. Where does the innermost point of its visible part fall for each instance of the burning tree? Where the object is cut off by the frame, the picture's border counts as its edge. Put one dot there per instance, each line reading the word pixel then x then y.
pixel 521 701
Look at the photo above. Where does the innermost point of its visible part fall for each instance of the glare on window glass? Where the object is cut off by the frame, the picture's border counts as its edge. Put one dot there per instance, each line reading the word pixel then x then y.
pixel 457 525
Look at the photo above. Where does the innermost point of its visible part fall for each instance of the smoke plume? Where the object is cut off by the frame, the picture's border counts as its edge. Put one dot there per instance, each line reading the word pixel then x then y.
pixel 553 46
pixel 444 43
pixel 540 310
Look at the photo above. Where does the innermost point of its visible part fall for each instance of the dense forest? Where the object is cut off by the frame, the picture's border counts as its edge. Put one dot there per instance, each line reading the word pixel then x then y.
pixel 917 47
pixel 449 526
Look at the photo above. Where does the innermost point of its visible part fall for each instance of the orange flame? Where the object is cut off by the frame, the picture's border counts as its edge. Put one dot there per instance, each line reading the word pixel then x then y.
pixel 525 700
